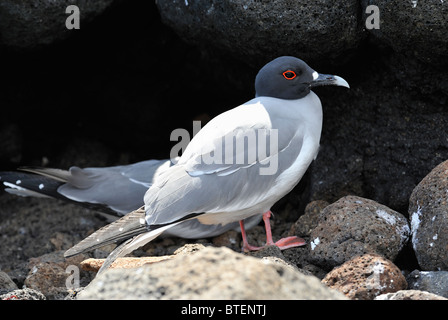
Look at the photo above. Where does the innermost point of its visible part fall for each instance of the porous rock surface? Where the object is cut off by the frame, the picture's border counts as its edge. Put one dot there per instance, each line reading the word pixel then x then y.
pixel 428 211
pixel 365 277
pixel 256 30
pixel 354 226
pixel 210 273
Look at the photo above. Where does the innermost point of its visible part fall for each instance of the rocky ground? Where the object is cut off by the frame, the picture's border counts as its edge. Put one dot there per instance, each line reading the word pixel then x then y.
pixel 372 207
pixel 357 247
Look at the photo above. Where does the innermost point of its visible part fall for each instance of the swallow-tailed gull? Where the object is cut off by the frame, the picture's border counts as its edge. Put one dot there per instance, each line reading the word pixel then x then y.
pixel 114 191
pixel 225 175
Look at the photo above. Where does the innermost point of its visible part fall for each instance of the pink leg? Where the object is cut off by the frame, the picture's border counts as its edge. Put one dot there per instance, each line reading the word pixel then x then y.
pixel 284 243
pixel 267 227
pixel 246 246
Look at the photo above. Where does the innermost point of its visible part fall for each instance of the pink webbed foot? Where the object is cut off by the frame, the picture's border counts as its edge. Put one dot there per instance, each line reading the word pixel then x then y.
pixel 290 242
pixel 247 247
pixel 284 243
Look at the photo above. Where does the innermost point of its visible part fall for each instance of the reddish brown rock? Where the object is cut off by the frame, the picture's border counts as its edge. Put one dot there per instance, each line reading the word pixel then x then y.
pixel 121 263
pixel 49 274
pixel 365 277
pixel 135 262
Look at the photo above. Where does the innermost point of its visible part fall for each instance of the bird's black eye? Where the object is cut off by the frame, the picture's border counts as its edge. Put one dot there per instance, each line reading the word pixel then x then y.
pixel 289 74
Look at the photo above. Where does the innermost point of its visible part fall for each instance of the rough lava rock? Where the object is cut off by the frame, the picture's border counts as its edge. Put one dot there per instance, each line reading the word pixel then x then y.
pixel 6 284
pixel 413 28
pixel 49 274
pixel 365 277
pixel 257 31
pixel 415 31
pixel 354 226
pixel 32 23
pixel 309 220
pixel 35 232
pixel 409 295
pixel 431 281
pixel 23 294
pixel 210 273
pixel 400 136
pixel 380 138
pixel 428 211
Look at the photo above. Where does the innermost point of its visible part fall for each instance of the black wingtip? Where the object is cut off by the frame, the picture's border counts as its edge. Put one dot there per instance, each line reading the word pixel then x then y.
pixel 33 182
pixel 48 186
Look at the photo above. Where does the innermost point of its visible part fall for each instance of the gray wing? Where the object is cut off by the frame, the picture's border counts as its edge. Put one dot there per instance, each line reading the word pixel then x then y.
pixel 252 139
pixel 193 187
pixel 117 189
pixel 120 187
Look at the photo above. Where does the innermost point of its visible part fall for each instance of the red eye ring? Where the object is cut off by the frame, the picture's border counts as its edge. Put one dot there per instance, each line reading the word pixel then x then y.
pixel 289 74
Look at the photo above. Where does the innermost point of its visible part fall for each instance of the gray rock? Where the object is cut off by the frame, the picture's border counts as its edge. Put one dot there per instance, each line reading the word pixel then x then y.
pixel 380 138
pixel 354 226
pixel 31 23
pixel 416 32
pixel 258 31
pixel 273 254
pixel 6 284
pixel 398 140
pixel 409 295
pixel 414 29
pixel 432 281
pixel 308 221
pixel 211 273
pixel 428 211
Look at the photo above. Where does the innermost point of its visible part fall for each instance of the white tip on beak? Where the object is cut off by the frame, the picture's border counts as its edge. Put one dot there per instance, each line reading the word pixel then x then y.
pixel 340 82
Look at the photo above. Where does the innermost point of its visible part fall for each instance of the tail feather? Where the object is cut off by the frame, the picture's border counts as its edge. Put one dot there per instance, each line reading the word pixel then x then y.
pixel 120 230
pixel 132 244
pixel 54 174
pixel 21 183
pixel 131 231
pixel 44 182
pixel 13 189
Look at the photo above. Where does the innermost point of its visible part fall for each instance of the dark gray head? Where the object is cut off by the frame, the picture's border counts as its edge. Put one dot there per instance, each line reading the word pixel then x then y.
pixel 291 78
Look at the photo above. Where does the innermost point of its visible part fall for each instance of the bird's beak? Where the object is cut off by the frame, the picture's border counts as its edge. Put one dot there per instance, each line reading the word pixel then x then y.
pixel 327 79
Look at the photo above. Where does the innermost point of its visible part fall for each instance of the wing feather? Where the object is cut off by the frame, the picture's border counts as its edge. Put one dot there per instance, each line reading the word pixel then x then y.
pixel 194 186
